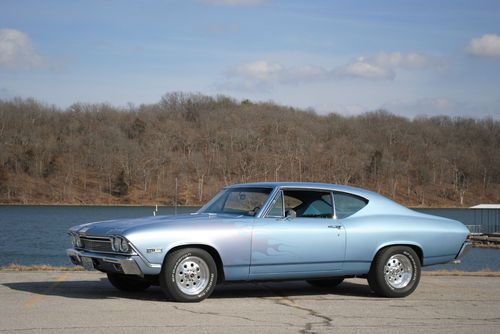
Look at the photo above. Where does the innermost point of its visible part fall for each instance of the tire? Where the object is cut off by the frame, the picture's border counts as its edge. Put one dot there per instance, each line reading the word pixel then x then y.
pixel 188 275
pixel 395 272
pixel 326 283
pixel 128 283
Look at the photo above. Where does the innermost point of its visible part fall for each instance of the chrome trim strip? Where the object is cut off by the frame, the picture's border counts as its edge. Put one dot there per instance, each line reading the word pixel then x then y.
pixel 267 206
pixel 143 258
pixel 466 247
pixel 333 204
pixel 104 252
pixel 94 238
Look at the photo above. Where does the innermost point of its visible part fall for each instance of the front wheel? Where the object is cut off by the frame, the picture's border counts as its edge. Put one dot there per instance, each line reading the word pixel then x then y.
pixel 128 283
pixel 188 275
pixel 395 272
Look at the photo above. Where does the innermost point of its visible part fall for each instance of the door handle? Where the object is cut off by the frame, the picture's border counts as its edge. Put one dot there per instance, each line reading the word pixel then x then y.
pixel 338 227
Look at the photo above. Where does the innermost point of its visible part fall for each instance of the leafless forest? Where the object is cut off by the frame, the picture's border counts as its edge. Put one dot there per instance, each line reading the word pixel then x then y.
pixel 186 147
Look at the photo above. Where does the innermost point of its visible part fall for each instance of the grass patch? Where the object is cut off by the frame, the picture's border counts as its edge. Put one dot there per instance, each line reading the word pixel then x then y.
pixel 482 273
pixel 480 245
pixel 39 267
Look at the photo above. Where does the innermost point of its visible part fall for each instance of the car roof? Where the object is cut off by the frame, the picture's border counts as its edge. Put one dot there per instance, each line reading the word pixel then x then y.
pixel 310 185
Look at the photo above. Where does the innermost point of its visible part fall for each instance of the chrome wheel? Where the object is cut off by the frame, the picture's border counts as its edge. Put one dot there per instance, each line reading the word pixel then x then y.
pixel 192 275
pixel 395 272
pixel 398 271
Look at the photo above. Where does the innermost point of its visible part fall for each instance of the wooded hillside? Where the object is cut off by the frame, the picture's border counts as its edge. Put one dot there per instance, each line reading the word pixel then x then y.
pixel 97 153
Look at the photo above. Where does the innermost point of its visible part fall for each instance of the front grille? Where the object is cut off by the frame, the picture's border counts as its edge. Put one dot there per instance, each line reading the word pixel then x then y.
pixel 97 245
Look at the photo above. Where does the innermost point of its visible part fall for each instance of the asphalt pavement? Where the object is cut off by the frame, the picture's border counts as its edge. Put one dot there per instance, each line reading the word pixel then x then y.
pixel 84 302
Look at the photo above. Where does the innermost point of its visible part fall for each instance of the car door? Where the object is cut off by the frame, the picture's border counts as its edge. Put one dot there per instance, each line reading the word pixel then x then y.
pixel 297 237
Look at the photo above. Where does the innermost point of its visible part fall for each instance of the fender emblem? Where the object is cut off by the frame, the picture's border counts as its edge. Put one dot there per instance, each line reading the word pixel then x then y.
pixel 154 250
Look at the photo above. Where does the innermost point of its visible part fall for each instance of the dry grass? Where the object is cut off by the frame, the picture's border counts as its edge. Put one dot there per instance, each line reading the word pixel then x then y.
pixel 41 267
pixel 482 273
pixel 480 245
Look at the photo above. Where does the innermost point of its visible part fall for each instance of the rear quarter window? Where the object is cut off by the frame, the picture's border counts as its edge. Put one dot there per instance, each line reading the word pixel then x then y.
pixel 347 204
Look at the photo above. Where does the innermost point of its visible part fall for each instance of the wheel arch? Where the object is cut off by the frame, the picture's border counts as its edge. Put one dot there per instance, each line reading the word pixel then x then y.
pixel 210 250
pixel 416 247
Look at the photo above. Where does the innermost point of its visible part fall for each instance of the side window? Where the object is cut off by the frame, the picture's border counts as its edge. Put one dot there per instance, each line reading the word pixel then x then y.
pixel 276 207
pixel 347 204
pixel 309 204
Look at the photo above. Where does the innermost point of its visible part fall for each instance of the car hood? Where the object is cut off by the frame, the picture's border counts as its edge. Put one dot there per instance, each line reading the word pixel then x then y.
pixel 124 226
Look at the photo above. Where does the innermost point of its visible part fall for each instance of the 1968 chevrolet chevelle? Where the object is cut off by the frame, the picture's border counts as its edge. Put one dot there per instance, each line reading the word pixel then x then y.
pixel 322 233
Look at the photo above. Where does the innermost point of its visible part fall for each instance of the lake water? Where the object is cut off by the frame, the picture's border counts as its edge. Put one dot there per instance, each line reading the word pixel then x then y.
pixel 38 234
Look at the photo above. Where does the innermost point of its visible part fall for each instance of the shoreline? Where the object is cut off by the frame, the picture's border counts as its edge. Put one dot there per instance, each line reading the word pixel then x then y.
pixel 39 267
pixel 486 241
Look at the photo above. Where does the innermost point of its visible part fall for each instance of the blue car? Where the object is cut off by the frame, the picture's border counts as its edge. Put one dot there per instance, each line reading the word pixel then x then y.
pixel 321 233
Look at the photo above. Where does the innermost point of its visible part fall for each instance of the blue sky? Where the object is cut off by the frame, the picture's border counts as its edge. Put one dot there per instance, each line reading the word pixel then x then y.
pixel 408 57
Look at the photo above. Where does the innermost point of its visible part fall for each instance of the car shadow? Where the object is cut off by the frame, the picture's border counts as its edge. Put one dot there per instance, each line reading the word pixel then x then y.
pixel 102 289
pixel 289 289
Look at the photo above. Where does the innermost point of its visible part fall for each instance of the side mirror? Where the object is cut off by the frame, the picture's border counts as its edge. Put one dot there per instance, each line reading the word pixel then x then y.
pixel 290 214
pixel 254 211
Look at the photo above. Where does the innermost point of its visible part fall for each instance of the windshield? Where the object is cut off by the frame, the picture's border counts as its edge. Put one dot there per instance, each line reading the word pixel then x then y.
pixel 240 201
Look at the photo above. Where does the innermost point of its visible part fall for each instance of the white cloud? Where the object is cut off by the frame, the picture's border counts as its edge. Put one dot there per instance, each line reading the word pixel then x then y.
pixel 268 73
pixel 366 70
pixel 260 70
pixel 17 50
pixel 410 61
pixel 262 74
pixel 485 46
pixel 383 65
pixel 233 2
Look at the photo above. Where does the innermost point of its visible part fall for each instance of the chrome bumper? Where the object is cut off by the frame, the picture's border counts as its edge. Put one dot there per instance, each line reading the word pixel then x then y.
pixel 466 247
pixel 119 263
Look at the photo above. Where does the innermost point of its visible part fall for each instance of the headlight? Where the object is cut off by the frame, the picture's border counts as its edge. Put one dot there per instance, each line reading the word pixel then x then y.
pixel 73 239
pixel 78 241
pixel 119 244
pixel 116 244
pixel 124 246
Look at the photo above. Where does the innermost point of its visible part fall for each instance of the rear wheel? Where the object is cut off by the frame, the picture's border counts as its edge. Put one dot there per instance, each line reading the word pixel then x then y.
pixel 395 272
pixel 188 275
pixel 326 283
pixel 128 283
